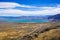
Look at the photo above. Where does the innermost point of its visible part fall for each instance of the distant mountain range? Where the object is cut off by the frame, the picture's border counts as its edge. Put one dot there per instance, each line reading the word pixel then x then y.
pixel 47 17
pixel 24 17
pixel 54 17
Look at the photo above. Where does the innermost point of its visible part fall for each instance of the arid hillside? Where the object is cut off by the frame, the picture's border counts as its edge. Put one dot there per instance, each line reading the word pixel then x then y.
pixel 30 31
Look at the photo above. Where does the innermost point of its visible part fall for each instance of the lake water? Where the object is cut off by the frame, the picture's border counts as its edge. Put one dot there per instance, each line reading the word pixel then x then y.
pixel 25 20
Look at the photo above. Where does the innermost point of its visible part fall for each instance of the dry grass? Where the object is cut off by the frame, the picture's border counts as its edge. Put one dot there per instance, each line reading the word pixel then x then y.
pixel 53 34
pixel 13 31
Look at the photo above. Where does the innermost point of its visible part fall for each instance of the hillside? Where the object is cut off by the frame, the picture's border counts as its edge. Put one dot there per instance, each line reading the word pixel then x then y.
pixel 54 17
pixel 53 34
pixel 29 31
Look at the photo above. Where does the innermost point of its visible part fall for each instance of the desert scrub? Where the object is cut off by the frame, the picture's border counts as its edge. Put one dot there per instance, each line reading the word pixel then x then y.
pixel 26 37
pixel 9 38
pixel 53 34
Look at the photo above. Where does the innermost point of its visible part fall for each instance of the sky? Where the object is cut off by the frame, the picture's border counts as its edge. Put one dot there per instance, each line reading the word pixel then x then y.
pixel 29 7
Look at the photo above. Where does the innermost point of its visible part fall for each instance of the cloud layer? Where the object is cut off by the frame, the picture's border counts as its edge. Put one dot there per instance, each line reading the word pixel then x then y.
pixel 13 5
pixel 14 9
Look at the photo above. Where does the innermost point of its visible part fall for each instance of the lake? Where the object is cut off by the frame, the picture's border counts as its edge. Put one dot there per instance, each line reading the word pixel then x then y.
pixel 25 20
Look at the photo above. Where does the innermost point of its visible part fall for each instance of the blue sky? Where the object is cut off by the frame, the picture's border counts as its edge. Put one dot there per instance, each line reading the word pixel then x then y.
pixel 29 7
pixel 35 2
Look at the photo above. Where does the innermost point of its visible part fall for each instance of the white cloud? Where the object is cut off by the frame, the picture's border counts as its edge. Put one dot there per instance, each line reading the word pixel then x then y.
pixel 13 5
pixel 9 11
pixel 57 10
pixel 21 12
pixel 8 5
